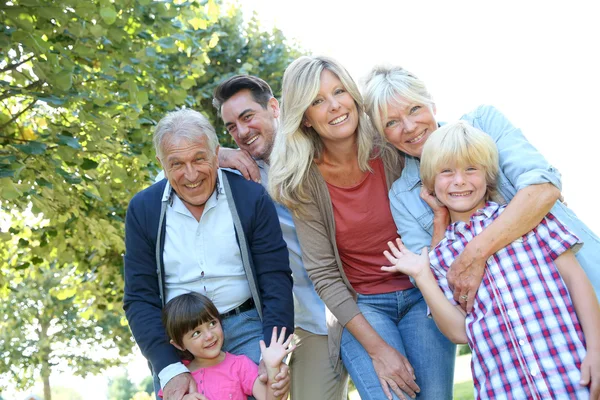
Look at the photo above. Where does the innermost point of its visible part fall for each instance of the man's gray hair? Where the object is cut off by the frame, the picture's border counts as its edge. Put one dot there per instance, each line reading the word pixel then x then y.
pixel 185 124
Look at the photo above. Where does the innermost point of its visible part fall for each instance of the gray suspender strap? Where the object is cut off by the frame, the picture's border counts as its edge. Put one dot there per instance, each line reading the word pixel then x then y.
pixel 161 220
pixel 243 246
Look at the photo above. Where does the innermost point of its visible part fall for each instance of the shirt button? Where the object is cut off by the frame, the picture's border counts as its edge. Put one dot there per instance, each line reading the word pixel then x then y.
pixel 521 342
pixel 533 373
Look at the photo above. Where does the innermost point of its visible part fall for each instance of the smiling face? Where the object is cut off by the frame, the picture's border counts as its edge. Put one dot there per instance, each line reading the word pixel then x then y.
pixel 408 125
pixel 251 126
pixel 333 113
pixel 462 189
pixel 191 169
pixel 204 342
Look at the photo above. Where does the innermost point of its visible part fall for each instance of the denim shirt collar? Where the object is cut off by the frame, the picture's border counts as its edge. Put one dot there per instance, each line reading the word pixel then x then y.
pixel 411 174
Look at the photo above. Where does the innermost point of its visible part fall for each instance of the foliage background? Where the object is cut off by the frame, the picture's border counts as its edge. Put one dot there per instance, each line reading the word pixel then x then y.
pixel 81 85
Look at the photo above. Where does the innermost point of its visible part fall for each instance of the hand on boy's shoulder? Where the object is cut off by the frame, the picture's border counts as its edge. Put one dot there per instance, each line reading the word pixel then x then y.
pixel 465 276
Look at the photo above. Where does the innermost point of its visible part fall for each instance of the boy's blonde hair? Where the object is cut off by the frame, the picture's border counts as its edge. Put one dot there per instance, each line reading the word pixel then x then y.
pixel 460 144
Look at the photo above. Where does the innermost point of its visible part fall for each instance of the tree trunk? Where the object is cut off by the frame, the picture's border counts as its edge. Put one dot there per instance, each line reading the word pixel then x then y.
pixel 45 359
pixel 46 380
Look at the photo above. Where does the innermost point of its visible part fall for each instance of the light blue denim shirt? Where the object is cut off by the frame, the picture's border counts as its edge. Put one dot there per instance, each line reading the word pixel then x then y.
pixel 521 165
pixel 309 309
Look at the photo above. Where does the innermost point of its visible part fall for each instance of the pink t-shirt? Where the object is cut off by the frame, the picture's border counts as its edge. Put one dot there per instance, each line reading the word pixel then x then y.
pixel 231 379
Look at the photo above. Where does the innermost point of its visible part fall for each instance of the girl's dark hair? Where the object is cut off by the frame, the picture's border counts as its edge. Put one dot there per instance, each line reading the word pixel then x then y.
pixel 184 313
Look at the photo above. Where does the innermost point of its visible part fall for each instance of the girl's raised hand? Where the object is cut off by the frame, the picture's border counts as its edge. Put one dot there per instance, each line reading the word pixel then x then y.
pixel 405 261
pixel 277 350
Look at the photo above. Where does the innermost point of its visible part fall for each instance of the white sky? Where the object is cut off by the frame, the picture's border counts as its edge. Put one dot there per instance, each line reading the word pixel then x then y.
pixel 537 61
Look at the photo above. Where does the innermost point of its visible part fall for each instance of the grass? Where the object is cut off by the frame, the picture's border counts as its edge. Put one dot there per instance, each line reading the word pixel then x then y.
pixel 464 391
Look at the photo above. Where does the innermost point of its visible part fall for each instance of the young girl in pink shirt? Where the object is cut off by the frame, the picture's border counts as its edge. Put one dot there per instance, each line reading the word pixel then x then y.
pixel 193 324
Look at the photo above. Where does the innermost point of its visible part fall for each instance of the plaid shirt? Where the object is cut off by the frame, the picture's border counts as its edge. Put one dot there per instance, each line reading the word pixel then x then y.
pixel 526 339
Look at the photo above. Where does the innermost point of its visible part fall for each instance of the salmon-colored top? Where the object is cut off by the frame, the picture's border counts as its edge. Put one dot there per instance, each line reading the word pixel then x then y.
pixel 363 226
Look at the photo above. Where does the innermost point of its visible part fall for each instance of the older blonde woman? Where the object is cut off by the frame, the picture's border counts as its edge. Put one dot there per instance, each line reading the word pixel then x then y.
pixel 403 112
pixel 333 171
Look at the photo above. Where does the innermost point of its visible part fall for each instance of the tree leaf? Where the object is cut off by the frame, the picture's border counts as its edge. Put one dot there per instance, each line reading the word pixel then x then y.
pixel 214 40
pixel 62 80
pixel 166 42
pixel 9 191
pixel 69 141
pixel 198 23
pixel 32 148
pixel 188 82
pixel 97 30
pixel 108 14
pixel 53 100
pixel 88 164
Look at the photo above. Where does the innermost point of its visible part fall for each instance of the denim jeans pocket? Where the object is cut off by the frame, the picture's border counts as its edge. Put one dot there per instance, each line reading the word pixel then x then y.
pixel 250 315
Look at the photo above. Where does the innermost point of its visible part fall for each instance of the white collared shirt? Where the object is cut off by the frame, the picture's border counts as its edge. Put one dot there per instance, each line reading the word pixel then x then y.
pixel 203 256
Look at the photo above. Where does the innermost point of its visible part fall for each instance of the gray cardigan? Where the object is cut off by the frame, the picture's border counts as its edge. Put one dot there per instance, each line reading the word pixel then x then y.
pixel 315 226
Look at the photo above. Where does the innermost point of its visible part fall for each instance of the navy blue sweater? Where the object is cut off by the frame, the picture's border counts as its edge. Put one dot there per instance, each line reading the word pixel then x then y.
pixel 268 253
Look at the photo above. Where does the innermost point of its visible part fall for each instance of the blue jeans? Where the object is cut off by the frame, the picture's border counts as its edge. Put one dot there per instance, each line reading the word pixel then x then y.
pixel 242 335
pixel 400 318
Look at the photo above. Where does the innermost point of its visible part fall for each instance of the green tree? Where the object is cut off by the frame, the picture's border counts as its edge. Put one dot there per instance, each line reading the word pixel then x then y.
pixel 49 320
pixel 147 385
pixel 81 85
pixel 121 388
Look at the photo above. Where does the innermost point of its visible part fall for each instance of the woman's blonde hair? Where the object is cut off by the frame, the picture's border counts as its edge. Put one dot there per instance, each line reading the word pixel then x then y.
pixel 460 144
pixel 296 145
pixel 387 84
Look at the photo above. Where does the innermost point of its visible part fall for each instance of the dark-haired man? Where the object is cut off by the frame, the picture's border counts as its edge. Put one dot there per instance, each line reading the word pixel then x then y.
pixel 250 113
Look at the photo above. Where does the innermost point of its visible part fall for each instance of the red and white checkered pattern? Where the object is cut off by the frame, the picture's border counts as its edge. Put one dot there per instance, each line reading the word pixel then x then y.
pixel 526 339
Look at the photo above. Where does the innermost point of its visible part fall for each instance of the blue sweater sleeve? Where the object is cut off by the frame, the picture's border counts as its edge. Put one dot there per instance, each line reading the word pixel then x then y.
pixel 142 301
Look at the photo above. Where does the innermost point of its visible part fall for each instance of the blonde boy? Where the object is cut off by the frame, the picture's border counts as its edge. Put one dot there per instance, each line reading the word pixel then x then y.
pixel 535 303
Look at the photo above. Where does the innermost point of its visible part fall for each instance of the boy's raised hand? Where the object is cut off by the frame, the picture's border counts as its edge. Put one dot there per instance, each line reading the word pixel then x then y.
pixel 405 261
pixel 590 374
pixel 277 350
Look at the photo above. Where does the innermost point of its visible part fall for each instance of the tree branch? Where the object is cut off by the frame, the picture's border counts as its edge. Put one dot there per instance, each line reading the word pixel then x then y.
pixel 15 90
pixel 18 115
pixel 15 139
pixel 14 66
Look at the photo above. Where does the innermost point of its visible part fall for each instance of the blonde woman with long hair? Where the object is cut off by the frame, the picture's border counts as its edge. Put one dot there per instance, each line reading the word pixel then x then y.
pixel 333 171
